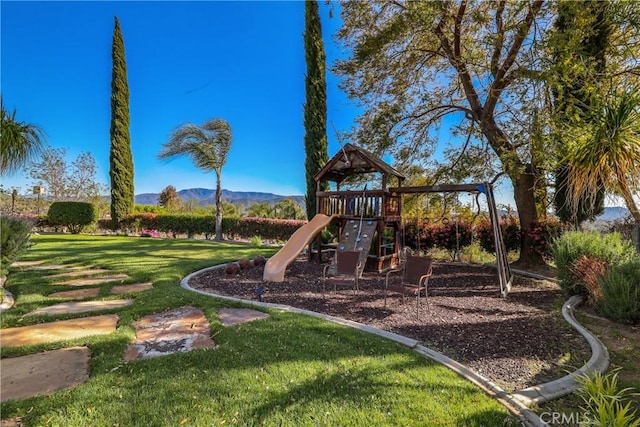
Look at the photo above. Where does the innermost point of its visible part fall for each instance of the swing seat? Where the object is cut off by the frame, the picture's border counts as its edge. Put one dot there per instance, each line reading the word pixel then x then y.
pixel 416 271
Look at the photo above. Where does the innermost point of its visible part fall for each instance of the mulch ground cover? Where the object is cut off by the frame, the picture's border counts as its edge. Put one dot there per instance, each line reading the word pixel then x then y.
pixel 516 342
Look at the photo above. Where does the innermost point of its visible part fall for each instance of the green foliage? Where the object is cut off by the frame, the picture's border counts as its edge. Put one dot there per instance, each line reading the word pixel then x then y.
pixel 621 293
pixel 120 158
pixel 169 199
pixel 566 250
pixel 73 215
pixel 483 232
pixel 208 146
pixel 605 402
pixel 19 142
pixel 148 209
pixel 260 210
pixel 255 241
pixel 287 209
pixel 14 235
pixel 286 370
pixel 315 106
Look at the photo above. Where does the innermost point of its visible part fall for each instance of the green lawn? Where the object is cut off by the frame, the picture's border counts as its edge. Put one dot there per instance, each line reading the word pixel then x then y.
pixel 287 370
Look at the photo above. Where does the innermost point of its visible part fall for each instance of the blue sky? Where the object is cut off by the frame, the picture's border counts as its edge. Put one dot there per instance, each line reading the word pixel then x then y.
pixel 187 62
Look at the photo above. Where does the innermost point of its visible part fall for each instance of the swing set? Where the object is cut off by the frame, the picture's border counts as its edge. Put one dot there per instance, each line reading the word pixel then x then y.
pixel 381 209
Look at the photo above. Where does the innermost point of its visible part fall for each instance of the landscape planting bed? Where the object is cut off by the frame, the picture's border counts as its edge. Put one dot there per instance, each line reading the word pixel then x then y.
pixel 516 342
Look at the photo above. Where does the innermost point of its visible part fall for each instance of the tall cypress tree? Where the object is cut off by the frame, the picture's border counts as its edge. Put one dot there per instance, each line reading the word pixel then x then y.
pixel 315 106
pixel 121 161
pixel 583 30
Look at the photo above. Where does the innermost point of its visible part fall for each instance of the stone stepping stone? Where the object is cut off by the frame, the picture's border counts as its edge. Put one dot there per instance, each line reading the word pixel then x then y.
pixel 77 294
pixel 80 307
pixel 235 316
pixel 180 330
pixel 96 281
pixel 58 331
pixel 27 263
pixel 53 267
pixel 77 273
pixel 43 373
pixel 136 287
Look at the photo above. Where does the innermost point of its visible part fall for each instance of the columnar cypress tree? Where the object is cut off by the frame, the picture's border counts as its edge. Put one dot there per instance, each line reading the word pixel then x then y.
pixel 315 106
pixel 121 161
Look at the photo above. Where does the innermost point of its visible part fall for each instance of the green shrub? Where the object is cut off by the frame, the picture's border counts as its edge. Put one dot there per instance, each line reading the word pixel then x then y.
pixel 605 403
pixel 567 249
pixel 483 232
pixel 621 293
pixel 73 215
pixel 256 241
pixel 14 235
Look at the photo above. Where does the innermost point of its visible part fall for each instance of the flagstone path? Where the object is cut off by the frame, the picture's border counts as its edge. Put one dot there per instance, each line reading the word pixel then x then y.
pixel 178 330
pixel 94 281
pixel 80 307
pixel 76 294
pixel 74 273
pixel 136 287
pixel 43 373
pixel 61 330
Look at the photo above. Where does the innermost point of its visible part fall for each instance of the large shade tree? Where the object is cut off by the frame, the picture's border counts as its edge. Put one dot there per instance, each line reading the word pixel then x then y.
pixel 315 106
pixel 207 146
pixel 19 142
pixel 413 63
pixel 120 158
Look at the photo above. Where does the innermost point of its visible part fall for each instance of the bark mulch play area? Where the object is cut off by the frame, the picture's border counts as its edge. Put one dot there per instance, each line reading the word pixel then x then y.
pixel 516 342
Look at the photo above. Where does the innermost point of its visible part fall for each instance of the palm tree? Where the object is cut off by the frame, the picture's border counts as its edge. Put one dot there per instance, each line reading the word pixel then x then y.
pixel 19 142
pixel 208 146
pixel 607 154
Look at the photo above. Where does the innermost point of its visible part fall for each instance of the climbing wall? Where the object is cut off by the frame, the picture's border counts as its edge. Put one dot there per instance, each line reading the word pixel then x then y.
pixel 357 236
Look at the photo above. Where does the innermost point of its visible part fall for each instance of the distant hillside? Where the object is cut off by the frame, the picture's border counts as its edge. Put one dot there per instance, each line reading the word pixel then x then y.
pixel 206 196
pixel 613 213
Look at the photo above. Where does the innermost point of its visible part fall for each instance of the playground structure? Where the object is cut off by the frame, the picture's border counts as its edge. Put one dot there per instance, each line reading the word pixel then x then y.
pixel 367 218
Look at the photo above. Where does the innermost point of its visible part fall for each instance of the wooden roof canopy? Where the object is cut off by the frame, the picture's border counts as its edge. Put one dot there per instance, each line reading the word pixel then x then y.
pixel 352 160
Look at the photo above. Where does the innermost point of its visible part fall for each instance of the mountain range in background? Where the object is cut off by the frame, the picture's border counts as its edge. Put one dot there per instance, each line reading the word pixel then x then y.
pixel 244 199
pixel 205 196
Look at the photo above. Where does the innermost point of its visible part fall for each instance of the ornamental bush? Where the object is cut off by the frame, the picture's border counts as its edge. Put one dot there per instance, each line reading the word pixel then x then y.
pixel 621 293
pixel 73 215
pixel 543 233
pixel 15 236
pixel 571 246
pixel 510 233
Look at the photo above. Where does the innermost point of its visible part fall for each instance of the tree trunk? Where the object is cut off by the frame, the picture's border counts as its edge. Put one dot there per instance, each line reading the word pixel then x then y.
pixel 523 191
pixel 218 208
pixel 631 204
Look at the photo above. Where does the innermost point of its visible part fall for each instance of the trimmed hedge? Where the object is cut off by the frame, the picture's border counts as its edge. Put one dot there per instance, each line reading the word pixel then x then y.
pixel 191 225
pixel 73 215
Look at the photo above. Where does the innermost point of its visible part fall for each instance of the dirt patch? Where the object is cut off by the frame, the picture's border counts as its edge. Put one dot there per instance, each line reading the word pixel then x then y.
pixel 43 373
pixel 516 342
pixel 175 331
pixel 61 330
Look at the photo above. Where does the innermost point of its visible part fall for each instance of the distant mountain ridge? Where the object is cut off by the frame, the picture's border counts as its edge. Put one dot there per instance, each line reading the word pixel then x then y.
pixel 206 196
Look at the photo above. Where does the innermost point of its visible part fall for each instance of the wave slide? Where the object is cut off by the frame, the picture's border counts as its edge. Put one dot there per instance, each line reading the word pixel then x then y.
pixel 276 265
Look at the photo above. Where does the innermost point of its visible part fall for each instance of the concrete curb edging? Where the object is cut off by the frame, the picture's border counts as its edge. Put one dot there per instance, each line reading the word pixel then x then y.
pixel 515 406
pixel 599 361
pixel 7 301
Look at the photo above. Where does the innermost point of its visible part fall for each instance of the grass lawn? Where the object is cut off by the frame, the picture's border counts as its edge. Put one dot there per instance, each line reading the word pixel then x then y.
pixel 287 370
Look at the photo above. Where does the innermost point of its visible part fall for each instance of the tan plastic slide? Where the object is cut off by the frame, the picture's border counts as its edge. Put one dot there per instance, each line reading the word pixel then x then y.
pixel 277 264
